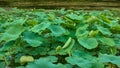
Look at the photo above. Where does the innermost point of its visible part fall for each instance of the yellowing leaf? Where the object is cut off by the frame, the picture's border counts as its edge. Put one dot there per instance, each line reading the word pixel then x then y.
pixel 32 22
pixel 116 28
pixel 93 33
pixel 66 50
pixel 91 19
pixel 25 59
pixel 58 48
pixel 67 43
pixel 104 18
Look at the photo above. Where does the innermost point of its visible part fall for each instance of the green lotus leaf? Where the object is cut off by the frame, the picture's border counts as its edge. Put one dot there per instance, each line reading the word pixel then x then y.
pixel 2 64
pixel 104 31
pixel 105 58
pixel 75 16
pixel 97 64
pixel 57 30
pixel 89 43
pixel 33 39
pixel 81 57
pixel 58 20
pixel 7 46
pixel 107 41
pixel 46 62
pixel 12 33
pixel 32 65
pixel 81 62
pixel 40 27
pixel 81 31
pixel 16 22
pixel 20 21
pixel 83 54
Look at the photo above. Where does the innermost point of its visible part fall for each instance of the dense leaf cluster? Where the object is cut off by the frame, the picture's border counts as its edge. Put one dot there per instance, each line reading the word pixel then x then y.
pixel 59 39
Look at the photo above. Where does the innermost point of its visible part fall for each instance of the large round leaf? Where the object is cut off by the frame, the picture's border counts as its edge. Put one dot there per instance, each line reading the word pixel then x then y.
pixel 57 30
pixel 12 33
pixel 40 27
pixel 89 43
pixel 107 41
pixel 33 39
pixel 105 58
pixel 81 62
pixel 46 62
pixel 104 31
